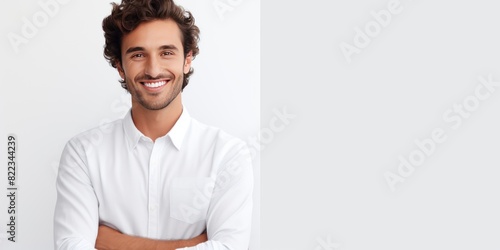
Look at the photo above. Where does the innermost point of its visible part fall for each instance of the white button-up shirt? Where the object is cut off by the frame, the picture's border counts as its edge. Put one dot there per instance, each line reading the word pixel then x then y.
pixel 196 177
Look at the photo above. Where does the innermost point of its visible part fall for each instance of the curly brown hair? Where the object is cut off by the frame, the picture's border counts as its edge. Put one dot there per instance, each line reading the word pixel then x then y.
pixel 125 17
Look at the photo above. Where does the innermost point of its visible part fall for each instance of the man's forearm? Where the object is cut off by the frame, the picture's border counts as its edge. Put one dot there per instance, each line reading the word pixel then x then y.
pixel 108 239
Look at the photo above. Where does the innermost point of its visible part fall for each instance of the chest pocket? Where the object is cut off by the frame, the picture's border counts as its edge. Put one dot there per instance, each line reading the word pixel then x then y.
pixel 190 198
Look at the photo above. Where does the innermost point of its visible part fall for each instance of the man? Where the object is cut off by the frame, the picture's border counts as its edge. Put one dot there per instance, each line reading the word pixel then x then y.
pixel 159 179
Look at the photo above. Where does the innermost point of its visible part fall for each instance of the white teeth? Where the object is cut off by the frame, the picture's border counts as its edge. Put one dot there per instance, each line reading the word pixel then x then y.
pixel 155 84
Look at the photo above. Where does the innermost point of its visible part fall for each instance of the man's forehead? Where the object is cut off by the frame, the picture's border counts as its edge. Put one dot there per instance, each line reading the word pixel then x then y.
pixel 153 34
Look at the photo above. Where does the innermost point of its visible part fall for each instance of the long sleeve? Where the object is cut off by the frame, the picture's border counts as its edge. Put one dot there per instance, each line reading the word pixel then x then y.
pixel 76 216
pixel 229 217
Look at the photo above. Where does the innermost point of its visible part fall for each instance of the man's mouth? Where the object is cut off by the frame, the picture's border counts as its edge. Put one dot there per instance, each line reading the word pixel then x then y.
pixel 155 84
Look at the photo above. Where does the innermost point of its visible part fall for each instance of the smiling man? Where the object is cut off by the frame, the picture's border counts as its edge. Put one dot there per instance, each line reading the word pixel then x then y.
pixel 159 179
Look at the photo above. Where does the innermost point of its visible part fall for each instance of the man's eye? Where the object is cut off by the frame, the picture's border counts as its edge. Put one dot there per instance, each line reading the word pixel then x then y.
pixel 137 56
pixel 167 53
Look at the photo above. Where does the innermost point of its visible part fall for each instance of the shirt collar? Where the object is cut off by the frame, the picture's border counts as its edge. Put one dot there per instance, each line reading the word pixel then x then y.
pixel 131 132
pixel 176 134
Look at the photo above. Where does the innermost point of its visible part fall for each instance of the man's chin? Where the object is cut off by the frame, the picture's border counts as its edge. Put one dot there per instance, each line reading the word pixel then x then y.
pixel 154 106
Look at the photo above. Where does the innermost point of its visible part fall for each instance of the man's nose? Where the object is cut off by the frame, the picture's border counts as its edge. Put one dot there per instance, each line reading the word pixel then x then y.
pixel 153 67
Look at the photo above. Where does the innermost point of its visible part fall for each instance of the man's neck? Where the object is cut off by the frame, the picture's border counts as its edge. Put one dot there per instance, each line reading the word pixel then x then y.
pixel 156 123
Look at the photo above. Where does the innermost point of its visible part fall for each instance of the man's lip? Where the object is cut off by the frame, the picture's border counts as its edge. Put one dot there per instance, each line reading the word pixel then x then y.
pixel 154 87
pixel 154 81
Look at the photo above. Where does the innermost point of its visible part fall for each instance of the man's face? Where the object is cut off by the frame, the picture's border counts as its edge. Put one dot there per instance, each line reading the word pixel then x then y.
pixel 153 63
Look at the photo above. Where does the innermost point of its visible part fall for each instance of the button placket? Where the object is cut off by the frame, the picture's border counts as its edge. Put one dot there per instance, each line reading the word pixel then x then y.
pixel 153 190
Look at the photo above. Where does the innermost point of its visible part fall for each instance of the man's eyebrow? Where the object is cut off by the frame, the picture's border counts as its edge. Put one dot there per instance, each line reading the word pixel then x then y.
pixel 134 49
pixel 163 47
pixel 170 46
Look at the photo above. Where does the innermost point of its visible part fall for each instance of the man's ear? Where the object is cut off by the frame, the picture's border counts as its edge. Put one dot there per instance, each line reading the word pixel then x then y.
pixel 120 69
pixel 187 62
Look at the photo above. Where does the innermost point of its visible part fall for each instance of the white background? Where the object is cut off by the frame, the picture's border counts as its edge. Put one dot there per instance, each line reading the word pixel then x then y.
pixel 323 176
pixel 58 84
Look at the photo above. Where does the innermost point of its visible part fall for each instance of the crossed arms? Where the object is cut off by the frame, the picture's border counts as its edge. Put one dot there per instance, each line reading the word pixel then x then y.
pixel 108 238
pixel 77 215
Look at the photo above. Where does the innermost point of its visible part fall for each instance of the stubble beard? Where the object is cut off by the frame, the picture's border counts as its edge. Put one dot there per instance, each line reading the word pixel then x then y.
pixel 152 105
